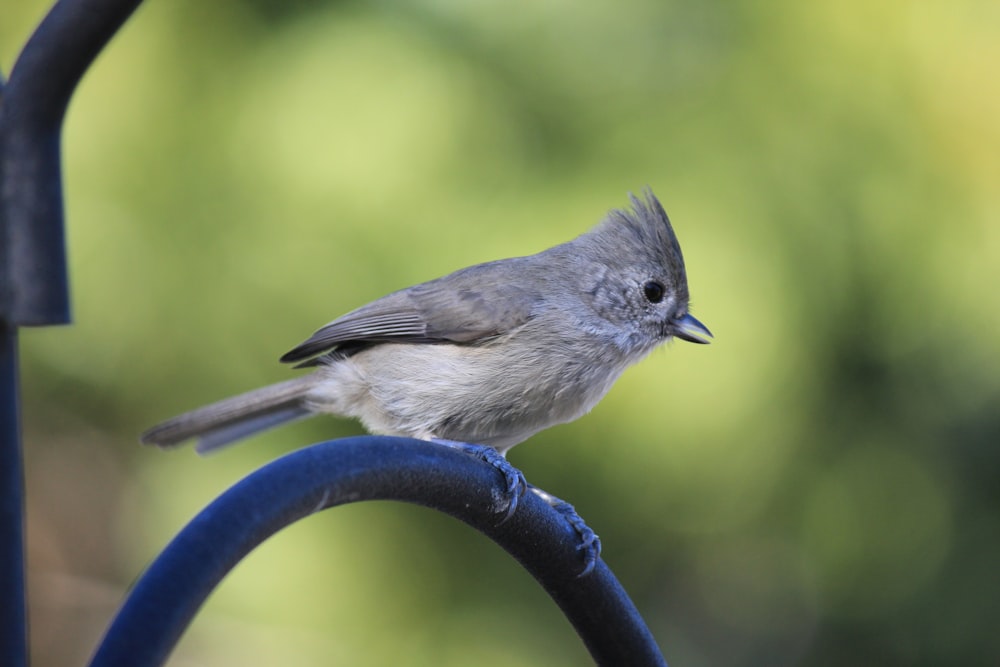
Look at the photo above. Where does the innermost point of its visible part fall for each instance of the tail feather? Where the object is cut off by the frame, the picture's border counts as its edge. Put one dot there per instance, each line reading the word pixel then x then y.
pixel 235 418
pixel 220 437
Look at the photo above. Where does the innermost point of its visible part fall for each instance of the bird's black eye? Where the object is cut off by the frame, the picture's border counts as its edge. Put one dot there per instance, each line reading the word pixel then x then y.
pixel 654 291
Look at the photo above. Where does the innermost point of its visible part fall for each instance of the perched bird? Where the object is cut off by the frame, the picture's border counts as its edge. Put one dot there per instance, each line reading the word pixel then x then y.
pixel 488 355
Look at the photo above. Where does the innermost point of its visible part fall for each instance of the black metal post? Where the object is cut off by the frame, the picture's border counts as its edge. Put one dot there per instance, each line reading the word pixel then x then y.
pixel 34 289
pixel 13 611
pixel 33 281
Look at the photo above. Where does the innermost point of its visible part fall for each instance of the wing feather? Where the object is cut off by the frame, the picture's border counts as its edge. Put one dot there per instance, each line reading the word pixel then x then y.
pixel 463 307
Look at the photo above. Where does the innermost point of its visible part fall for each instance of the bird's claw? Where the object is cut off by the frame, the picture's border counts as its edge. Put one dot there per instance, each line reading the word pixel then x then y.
pixel 589 543
pixel 514 478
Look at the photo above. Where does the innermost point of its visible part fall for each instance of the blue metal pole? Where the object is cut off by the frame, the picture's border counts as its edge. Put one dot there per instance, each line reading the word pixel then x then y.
pixel 169 594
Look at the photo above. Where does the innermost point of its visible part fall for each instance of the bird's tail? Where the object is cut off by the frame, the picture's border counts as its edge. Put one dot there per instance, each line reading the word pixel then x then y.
pixel 235 418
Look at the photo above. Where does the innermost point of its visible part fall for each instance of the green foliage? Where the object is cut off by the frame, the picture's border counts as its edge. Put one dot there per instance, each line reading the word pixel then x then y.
pixel 816 487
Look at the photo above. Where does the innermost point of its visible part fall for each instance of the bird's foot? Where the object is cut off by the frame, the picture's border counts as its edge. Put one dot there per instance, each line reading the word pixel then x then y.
pixel 514 478
pixel 589 544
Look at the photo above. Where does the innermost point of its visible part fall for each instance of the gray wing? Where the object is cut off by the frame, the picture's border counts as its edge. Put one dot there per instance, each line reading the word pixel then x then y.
pixel 476 303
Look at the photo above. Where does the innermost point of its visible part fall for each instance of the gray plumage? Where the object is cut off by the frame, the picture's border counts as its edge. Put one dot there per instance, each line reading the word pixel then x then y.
pixel 490 354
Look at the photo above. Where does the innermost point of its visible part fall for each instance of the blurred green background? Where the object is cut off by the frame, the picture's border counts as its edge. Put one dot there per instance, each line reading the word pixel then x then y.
pixel 820 486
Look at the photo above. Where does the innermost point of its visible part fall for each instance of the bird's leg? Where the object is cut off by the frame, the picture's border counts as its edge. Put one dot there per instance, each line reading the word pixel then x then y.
pixel 590 543
pixel 516 484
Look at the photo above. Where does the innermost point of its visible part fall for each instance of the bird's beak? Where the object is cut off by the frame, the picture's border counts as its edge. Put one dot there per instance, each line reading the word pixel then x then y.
pixel 689 329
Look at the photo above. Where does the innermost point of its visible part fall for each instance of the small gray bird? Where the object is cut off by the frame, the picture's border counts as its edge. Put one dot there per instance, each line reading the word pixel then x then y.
pixel 488 355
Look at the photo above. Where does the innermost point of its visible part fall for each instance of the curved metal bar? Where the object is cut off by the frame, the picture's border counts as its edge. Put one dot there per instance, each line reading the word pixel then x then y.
pixel 33 279
pixel 169 594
